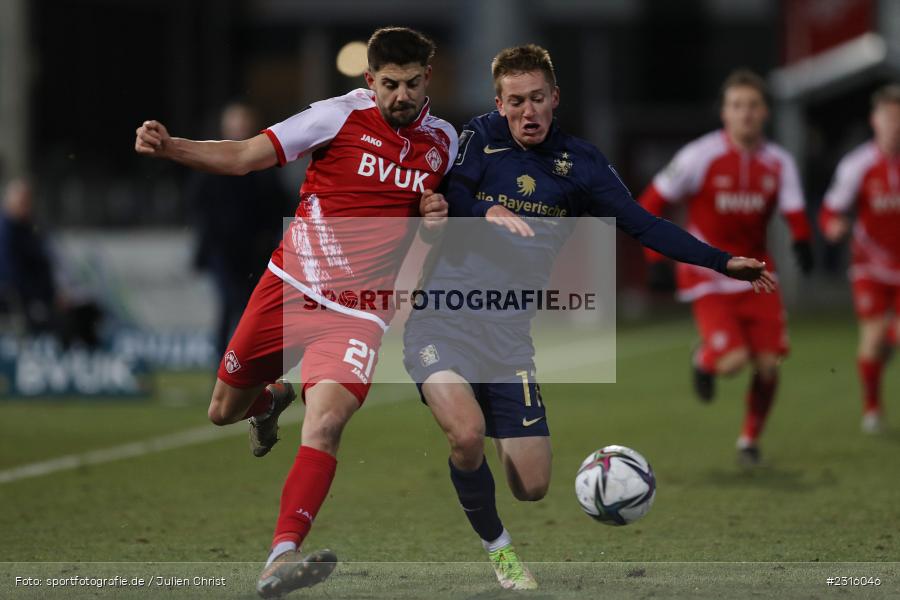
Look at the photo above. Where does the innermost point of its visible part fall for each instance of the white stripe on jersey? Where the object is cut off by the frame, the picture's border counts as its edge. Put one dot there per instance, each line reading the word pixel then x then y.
pixel 684 175
pixel 350 312
pixel 844 188
pixel 874 272
pixel 320 123
pixel 875 252
pixel 790 192
pixel 714 286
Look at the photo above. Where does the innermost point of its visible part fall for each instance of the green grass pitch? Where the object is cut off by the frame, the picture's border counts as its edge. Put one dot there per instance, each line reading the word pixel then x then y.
pixel 827 504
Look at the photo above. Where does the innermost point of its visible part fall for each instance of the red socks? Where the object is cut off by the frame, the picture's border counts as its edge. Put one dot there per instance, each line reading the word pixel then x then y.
pixel 759 401
pixel 870 377
pixel 304 491
pixel 705 359
pixel 261 405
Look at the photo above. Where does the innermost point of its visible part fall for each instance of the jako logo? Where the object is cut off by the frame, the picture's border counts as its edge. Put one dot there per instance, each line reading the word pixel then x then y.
pixel 305 514
pixel 403 178
pixel 371 140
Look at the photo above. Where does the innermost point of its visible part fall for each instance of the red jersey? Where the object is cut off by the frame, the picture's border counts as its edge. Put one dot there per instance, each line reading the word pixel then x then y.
pixel 870 180
pixel 362 170
pixel 731 195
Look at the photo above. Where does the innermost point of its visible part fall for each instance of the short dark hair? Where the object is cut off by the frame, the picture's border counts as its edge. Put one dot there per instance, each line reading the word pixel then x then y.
pixel 522 59
pixel 399 46
pixel 745 78
pixel 888 94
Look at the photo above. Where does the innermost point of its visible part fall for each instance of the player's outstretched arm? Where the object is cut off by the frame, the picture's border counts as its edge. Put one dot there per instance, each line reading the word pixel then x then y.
pixel 752 270
pixel 224 157
pixel 674 242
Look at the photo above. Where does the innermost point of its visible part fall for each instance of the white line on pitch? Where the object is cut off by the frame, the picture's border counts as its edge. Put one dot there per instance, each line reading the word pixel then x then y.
pixel 188 437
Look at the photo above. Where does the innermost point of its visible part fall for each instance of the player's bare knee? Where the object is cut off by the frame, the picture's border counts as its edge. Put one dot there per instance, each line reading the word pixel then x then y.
pixel 732 362
pixel 215 417
pixel 768 375
pixel 218 412
pixel 767 371
pixel 325 428
pixel 466 448
pixel 531 492
pixel 222 407
pixel 871 347
pixel 467 442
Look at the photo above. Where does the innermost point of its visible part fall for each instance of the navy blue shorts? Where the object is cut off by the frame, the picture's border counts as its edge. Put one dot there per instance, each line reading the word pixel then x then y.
pixel 497 360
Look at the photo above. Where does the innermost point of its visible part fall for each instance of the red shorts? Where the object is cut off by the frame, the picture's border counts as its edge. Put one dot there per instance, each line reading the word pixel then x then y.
pixel 874 298
pixel 745 320
pixel 278 328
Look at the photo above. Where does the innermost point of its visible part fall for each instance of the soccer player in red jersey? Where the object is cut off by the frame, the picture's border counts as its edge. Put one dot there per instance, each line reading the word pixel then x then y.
pixel 376 152
pixel 732 180
pixel 868 179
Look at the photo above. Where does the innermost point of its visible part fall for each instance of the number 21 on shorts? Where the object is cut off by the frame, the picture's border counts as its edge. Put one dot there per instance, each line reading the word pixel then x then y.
pixel 361 358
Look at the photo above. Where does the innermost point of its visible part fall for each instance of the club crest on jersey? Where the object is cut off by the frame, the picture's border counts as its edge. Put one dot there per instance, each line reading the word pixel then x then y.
pixel 768 183
pixel 719 340
pixel 428 355
pixel 526 184
pixel 433 158
pixel 231 362
pixel 562 165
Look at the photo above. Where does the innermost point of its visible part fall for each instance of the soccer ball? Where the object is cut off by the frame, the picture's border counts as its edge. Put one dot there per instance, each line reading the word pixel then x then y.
pixel 615 485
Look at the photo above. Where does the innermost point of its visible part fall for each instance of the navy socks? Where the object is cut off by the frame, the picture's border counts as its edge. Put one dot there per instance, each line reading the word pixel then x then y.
pixel 476 494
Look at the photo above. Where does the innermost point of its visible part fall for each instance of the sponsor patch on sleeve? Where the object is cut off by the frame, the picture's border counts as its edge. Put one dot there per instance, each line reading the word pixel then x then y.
pixel 616 173
pixel 464 138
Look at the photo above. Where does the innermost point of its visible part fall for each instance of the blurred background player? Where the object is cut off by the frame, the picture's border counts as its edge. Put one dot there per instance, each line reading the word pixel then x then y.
pixel 475 368
pixel 868 180
pixel 237 221
pixel 388 124
pixel 732 180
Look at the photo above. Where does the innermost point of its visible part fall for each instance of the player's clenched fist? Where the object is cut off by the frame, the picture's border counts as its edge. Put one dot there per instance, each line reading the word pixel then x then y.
pixel 433 208
pixel 151 138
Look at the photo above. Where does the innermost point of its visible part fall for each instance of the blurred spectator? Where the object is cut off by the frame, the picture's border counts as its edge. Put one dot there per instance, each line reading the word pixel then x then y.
pixel 26 274
pixel 238 224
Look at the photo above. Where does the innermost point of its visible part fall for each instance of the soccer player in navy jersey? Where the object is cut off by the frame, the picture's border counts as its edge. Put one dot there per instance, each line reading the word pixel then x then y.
pixel 514 151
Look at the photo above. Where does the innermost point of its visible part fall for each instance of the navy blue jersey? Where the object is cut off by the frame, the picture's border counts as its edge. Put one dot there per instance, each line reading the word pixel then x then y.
pixel 562 177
